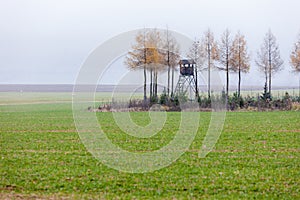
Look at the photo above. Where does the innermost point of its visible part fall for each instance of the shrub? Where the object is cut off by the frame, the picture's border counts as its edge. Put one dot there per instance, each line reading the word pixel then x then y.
pixel 164 99
pixel 204 102
pixel 235 102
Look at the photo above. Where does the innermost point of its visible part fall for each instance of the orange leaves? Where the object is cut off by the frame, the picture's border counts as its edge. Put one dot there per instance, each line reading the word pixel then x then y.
pixel 153 50
pixel 240 59
pixel 209 46
pixel 295 56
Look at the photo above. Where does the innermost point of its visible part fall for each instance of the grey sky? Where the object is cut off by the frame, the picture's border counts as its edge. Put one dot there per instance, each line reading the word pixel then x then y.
pixel 47 41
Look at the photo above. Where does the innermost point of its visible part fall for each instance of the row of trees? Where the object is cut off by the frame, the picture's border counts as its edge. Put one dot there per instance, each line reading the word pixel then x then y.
pixel 228 55
pixel 154 52
pixel 157 52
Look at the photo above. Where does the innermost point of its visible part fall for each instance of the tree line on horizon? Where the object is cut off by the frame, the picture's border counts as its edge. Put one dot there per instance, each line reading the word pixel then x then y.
pixel 156 52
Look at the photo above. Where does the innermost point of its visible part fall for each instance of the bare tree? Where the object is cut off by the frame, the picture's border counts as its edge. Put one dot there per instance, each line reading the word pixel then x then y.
pixel 155 60
pixel 146 55
pixel 240 58
pixel 171 58
pixel 268 59
pixel 295 58
pixel 225 57
pixel 137 57
pixel 262 63
pixel 195 55
pixel 209 51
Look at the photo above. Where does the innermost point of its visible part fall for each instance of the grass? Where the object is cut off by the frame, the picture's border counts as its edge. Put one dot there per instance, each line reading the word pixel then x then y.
pixel 41 156
pixel 18 98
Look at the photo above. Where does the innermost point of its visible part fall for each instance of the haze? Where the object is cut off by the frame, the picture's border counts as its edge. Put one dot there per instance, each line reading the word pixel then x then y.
pixel 45 42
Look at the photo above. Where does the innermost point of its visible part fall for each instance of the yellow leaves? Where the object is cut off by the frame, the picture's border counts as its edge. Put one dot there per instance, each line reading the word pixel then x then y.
pixel 209 47
pixel 295 57
pixel 152 51
pixel 215 55
pixel 239 57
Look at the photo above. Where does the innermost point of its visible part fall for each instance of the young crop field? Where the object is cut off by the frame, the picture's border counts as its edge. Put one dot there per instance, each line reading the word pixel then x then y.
pixel 42 157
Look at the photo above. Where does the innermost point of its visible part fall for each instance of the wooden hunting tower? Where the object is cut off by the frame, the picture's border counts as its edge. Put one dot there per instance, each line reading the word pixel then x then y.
pixel 186 83
pixel 186 67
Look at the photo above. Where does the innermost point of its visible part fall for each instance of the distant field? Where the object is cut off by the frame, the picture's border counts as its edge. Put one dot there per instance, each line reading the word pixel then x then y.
pixel 41 155
pixel 66 97
pixel 18 98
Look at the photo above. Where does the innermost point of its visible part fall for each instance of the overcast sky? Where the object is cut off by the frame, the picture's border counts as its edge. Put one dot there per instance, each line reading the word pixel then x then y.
pixel 47 41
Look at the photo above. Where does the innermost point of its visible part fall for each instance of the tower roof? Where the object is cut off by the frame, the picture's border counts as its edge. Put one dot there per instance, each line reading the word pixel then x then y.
pixel 186 61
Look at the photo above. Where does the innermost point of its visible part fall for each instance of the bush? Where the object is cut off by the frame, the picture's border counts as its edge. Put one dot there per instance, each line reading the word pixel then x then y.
pixel 204 102
pixel 235 102
pixel 296 99
pixel 250 102
pixel 287 101
pixel 180 98
pixel 164 99
pixel 266 96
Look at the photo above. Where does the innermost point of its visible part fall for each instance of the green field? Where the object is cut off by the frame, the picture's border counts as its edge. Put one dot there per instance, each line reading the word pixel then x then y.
pixel 41 156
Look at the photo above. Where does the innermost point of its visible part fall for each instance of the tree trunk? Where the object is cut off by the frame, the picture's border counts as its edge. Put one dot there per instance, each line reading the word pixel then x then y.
pixel 145 84
pixel 155 89
pixel 208 81
pixel 156 84
pixel 299 86
pixel 154 94
pixel 168 90
pixel 145 72
pixel 239 86
pixel 168 62
pixel 270 80
pixel 266 82
pixel 270 67
pixel 151 85
pixel 196 84
pixel 172 89
pixel 227 81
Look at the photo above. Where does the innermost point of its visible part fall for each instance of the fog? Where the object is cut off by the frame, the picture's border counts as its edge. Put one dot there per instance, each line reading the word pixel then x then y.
pixel 46 42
